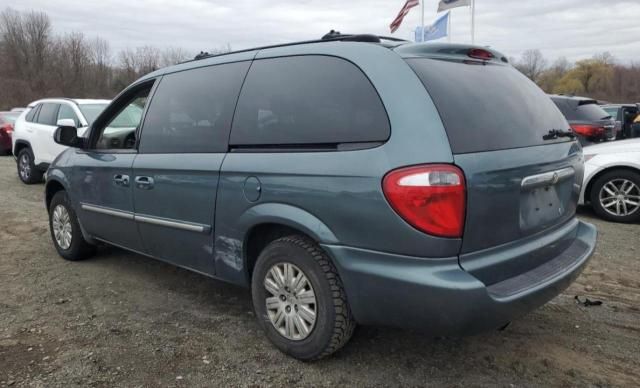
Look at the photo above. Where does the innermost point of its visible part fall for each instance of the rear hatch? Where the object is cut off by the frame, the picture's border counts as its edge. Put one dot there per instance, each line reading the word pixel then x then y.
pixel 519 185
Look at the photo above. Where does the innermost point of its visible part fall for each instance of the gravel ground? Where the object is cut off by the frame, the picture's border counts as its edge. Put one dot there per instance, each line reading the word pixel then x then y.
pixel 121 319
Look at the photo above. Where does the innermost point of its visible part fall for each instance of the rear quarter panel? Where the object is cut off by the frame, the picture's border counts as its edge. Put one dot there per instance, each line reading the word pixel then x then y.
pixel 340 192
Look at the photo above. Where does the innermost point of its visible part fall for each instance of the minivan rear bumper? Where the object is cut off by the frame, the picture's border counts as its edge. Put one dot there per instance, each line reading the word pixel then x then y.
pixel 439 297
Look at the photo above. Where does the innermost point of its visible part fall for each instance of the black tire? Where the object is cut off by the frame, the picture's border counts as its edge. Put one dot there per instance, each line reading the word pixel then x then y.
pixel 27 170
pixel 79 248
pixel 612 176
pixel 334 323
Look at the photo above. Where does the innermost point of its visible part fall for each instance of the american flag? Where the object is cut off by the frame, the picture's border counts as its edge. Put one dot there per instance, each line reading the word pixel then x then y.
pixel 403 12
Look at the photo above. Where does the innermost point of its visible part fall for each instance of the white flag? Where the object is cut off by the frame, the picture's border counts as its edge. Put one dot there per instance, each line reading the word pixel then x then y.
pixel 448 4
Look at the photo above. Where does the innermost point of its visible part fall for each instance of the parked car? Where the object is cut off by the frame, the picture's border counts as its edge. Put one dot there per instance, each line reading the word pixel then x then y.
pixel 341 181
pixel 7 119
pixel 623 114
pixel 587 119
pixel 33 144
pixel 18 109
pixel 612 180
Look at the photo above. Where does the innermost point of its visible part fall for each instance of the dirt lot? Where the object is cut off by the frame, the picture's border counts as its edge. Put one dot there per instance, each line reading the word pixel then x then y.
pixel 127 320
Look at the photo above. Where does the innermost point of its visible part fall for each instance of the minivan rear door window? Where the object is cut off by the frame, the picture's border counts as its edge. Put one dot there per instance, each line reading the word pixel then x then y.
pixel 191 111
pixel 304 100
pixel 486 107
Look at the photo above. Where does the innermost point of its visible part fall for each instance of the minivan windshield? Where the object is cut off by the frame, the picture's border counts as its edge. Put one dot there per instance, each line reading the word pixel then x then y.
pixel 91 111
pixel 487 107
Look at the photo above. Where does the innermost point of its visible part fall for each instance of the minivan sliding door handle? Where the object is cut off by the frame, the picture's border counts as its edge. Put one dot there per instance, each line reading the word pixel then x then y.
pixel 144 182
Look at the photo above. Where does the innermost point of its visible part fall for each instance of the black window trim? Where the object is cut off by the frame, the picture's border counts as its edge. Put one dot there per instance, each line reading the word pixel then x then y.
pixel 34 118
pixel 133 89
pixel 307 147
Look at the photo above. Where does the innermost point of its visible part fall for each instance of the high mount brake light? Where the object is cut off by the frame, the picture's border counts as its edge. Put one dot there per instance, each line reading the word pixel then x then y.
pixel 430 197
pixel 477 53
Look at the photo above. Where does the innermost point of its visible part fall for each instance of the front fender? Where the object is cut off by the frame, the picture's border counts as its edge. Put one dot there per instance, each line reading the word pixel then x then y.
pixel 56 176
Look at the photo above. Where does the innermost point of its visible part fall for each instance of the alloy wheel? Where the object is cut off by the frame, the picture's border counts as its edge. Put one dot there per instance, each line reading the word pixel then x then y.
pixel 620 197
pixel 61 224
pixel 24 166
pixel 291 301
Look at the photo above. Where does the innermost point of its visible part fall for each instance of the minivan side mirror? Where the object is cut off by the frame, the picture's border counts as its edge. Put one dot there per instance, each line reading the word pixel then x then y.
pixel 67 135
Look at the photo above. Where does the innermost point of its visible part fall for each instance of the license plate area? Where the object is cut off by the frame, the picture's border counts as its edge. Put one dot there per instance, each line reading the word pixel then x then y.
pixel 545 198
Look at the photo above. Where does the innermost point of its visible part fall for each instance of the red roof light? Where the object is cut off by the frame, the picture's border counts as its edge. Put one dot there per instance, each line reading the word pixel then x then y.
pixel 477 53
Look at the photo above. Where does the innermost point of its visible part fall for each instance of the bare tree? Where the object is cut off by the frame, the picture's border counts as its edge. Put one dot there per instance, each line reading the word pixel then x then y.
pixel 173 55
pixel 148 58
pixel 532 64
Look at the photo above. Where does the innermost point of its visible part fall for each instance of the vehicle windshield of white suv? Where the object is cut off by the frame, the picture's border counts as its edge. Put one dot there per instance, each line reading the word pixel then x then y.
pixel 91 111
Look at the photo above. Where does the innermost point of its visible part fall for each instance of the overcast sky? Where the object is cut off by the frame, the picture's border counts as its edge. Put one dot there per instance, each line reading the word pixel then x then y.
pixel 573 28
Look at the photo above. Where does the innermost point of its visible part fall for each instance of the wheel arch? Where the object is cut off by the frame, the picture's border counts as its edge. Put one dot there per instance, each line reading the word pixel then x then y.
pixel 19 146
pixel 606 170
pixel 265 223
pixel 51 188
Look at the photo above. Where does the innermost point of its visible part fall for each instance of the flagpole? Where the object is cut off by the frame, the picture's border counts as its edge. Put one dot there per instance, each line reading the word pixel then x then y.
pixel 473 21
pixel 422 2
pixel 449 28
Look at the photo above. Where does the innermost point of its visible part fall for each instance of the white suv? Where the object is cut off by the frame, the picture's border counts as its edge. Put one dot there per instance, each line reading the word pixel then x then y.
pixel 33 144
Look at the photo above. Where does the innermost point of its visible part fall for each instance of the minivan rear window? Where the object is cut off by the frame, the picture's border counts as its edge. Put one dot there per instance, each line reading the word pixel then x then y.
pixel 487 107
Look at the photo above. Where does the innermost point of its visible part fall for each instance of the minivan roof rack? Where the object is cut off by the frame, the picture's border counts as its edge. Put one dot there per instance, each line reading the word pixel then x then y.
pixel 331 36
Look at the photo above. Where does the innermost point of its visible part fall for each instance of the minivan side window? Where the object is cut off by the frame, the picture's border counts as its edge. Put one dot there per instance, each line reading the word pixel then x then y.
pixel 191 111
pixel 48 114
pixel 117 131
pixel 312 99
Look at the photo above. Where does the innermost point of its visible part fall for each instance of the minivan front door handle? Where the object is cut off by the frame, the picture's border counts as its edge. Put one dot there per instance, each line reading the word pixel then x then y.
pixel 144 182
pixel 121 180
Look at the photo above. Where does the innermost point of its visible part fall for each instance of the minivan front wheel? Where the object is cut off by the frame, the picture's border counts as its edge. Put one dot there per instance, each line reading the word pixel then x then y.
pixel 299 299
pixel 65 229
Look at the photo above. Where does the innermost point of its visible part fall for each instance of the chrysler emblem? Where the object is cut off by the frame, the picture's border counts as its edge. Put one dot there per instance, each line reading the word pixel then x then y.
pixel 555 178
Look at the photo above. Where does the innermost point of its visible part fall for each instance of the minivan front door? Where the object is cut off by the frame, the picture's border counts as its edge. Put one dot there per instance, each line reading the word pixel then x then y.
pixel 183 143
pixel 102 181
pixel 103 175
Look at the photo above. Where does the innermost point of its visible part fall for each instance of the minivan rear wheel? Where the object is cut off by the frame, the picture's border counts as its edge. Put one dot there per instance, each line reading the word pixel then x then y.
pixel 615 196
pixel 299 299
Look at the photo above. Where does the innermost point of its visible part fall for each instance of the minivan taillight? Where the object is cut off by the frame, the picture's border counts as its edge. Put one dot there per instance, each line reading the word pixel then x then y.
pixel 430 197
pixel 588 130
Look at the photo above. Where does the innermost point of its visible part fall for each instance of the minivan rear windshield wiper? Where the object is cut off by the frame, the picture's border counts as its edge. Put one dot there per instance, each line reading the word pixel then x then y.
pixel 556 133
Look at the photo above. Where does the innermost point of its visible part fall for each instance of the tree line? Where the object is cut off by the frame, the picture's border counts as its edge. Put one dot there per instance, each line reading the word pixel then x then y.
pixel 600 77
pixel 35 63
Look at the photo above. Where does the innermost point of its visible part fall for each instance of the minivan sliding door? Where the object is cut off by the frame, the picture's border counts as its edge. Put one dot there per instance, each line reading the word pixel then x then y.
pixel 182 146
